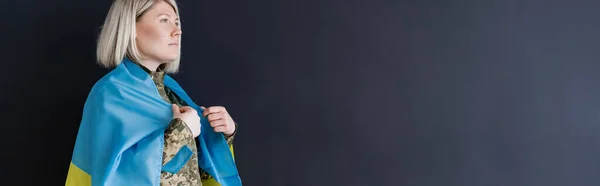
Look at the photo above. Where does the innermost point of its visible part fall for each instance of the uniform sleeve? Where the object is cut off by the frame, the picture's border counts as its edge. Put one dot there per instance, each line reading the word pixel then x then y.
pixel 177 135
pixel 230 138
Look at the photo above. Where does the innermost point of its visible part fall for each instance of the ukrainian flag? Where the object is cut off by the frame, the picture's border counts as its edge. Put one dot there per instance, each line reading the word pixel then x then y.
pixel 121 135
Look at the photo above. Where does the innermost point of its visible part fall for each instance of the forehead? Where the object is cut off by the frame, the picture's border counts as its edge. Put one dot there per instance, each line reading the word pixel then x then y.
pixel 162 7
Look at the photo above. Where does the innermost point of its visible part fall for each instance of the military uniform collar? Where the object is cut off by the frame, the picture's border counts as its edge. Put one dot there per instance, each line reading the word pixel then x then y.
pixel 159 74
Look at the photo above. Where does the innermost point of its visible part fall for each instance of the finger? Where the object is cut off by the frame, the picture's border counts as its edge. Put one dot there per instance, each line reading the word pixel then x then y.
pixel 218 123
pixel 216 116
pixel 175 109
pixel 220 129
pixel 185 109
pixel 214 109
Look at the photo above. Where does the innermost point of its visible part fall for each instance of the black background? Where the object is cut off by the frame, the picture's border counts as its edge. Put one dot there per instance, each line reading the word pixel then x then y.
pixel 332 92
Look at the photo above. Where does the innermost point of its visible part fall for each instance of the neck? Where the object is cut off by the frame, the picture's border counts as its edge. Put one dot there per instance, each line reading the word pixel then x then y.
pixel 150 65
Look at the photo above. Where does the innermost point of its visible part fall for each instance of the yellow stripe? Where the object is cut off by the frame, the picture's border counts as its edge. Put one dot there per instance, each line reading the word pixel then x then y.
pixel 231 149
pixel 210 182
pixel 77 177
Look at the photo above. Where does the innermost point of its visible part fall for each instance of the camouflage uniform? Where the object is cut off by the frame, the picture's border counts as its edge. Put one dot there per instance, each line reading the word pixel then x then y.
pixel 178 135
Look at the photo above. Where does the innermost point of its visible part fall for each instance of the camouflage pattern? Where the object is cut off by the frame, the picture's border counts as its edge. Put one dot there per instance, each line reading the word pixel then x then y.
pixel 157 77
pixel 177 135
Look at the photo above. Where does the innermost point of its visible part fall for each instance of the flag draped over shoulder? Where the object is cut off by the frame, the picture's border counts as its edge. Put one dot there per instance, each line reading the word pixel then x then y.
pixel 121 136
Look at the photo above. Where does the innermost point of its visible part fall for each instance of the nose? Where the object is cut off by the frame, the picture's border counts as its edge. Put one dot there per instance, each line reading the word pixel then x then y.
pixel 177 32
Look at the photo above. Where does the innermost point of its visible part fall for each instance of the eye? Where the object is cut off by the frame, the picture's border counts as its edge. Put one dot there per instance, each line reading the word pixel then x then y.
pixel 164 20
pixel 176 23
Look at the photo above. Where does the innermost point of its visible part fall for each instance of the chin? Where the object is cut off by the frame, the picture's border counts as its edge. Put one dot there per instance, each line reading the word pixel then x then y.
pixel 170 59
pixel 167 61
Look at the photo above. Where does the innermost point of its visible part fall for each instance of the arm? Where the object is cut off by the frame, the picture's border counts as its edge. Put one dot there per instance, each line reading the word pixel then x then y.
pixel 176 136
pixel 116 142
pixel 230 137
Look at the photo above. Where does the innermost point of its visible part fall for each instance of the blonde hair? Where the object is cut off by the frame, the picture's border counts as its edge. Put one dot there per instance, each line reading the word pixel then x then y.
pixel 117 37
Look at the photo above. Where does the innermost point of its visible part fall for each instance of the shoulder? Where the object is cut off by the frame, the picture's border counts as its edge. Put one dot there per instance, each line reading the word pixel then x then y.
pixel 106 95
pixel 108 81
pixel 108 85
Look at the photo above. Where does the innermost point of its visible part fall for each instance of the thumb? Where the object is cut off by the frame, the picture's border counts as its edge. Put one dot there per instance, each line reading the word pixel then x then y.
pixel 203 111
pixel 175 109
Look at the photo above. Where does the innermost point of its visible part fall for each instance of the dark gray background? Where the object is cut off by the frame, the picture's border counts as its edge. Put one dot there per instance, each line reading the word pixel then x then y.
pixel 332 92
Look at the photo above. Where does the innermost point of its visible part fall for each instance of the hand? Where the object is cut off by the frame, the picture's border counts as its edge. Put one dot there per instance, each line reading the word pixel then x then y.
pixel 189 116
pixel 219 119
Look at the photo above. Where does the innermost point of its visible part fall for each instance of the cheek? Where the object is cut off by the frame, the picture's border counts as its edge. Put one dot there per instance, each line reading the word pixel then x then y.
pixel 148 36
pixel 154 41
pixel 148 39
pixel 165 34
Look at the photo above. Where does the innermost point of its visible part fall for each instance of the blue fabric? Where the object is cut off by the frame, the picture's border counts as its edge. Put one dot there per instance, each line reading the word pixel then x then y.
pixel 182 156
pixel 121 136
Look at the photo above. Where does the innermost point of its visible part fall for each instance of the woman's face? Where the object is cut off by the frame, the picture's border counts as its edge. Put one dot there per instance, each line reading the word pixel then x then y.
pixel 158 34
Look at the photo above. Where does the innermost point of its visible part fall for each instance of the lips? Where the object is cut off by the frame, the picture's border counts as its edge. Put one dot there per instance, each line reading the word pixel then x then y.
pixel 174 44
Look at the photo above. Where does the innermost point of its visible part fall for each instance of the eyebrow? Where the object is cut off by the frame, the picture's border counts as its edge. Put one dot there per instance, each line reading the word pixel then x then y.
pixel 167 14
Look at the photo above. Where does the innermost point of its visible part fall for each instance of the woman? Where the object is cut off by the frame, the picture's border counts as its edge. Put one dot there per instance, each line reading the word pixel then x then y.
pixel 139 127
